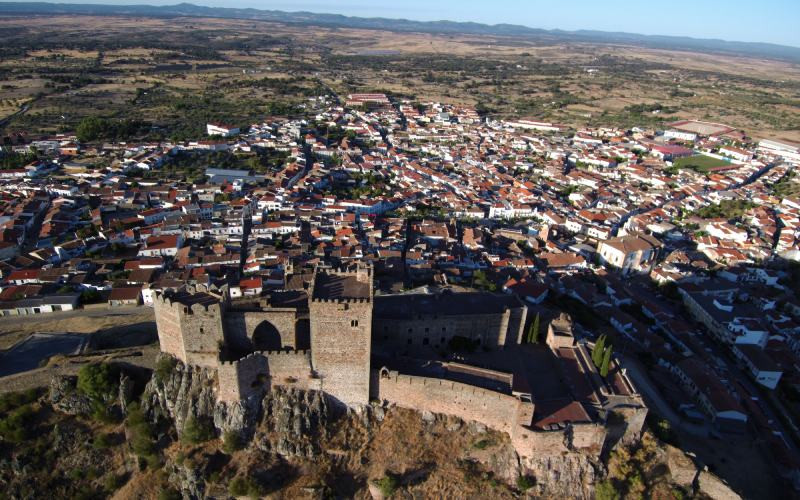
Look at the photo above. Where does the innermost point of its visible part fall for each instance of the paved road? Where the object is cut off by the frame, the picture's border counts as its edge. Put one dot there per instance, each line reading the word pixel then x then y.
pixel 656 402
pixel 29 353
pixel 5 121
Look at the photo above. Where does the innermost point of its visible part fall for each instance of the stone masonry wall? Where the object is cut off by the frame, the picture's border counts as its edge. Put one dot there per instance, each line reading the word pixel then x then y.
pixel 203 334
pixel 240 326
pixel 588 437
pixel 490 329
pixel 168 323
pixel 530 443
pixel 516 325
pixel 238 379
pixel 496 410
pixel 341 346
pixel 263 370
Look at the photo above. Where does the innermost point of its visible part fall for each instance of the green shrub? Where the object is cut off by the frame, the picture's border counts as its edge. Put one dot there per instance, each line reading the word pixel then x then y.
pixel 482 444
pixel 13 400
pixel 388 484
pixel 169 494
pixel 18 425
pixel 605 490
pixel 102 441
pixel 245 486
pixel 197 430
pixel 142 438
pixel 99 381
pixel 164 367
pixel 231 442
pixel 113 482
pixel 524 483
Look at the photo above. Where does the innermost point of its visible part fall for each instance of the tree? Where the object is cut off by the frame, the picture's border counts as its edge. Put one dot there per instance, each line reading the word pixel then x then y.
pixel 605 362
pixel 388 484
pixel 98 381
pixel 533 331
pixel 231 442
pixel 597 351
pixel 90 128
pixel 197 430
pixel 605 490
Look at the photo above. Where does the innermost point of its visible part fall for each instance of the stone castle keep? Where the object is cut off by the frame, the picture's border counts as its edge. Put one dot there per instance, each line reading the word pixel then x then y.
pixel 339 338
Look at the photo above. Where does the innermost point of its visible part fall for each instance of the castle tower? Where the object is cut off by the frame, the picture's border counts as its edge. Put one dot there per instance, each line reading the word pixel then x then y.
pixel 190 326
pixel 341 328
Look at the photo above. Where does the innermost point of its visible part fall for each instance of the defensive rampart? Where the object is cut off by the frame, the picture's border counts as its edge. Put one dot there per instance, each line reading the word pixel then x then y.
pixel 263 369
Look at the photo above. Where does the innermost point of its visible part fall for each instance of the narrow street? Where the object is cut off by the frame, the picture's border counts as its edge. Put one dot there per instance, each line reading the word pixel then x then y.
pixel 656 402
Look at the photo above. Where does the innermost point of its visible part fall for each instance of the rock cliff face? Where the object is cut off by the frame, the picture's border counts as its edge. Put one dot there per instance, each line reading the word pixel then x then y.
pixel 185 392
pixel 565 476
pixel 300 426
pixel 190 391
pixel 294 423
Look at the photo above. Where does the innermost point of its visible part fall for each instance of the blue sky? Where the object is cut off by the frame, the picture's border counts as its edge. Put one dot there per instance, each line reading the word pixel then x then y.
pixel 776 21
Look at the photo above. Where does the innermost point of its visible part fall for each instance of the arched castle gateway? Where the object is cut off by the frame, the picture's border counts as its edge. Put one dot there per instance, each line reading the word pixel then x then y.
pixel 335 338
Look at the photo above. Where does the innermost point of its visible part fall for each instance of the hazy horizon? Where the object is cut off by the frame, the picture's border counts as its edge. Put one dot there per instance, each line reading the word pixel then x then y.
pixel 769 21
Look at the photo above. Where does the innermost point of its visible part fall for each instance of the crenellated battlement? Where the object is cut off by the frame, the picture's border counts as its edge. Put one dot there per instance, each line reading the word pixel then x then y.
pixel 188 303
pixel 267 355
pixel 341 301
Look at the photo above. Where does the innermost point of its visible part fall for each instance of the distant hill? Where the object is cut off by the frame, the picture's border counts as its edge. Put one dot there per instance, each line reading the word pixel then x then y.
pixel 762 50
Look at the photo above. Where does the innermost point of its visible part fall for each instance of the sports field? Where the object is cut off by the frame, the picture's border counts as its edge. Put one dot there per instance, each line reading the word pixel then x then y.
pixel 701 163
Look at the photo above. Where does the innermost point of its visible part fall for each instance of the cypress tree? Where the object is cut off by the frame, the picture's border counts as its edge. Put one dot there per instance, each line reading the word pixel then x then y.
pixel 606 362
pixel 597 351
pixel 535 327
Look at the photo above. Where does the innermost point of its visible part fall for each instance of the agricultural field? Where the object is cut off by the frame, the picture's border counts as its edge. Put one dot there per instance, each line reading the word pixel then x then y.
pixel 174 74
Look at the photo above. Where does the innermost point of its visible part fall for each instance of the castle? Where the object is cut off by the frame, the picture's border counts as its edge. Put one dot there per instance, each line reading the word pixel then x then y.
pixel 340 338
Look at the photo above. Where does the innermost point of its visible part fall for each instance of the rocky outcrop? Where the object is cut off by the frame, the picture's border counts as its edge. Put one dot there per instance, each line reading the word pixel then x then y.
pixel 64 396
pixel 571 475
pixel 681 468
pixel 189 479
pixel 190 391
pixel 293 424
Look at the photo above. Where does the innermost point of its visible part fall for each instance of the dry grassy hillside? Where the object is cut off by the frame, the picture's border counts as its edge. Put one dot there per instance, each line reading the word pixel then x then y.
pixel 174 73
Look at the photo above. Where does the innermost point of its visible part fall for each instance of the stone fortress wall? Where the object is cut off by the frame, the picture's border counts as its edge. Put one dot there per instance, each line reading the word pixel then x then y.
pixel 494 409
pixel 200 328
pixel 262 370
pixel 340 309
pixel 507 413
pixel 440 317
pixel 271 329
pixel 192 331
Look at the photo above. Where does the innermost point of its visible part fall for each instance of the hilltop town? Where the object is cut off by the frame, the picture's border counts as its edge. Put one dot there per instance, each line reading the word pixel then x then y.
pixel 551 283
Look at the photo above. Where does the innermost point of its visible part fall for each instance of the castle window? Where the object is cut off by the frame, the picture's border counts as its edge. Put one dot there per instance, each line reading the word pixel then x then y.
pixel 410 330
pixel 444 329
pixel 425 341
pixel 427 329
pixel 409 341
pixel 201 329
pixel 353 322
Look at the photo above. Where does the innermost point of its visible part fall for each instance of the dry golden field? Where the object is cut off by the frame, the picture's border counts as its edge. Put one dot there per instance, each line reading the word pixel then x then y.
pixel 175 72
